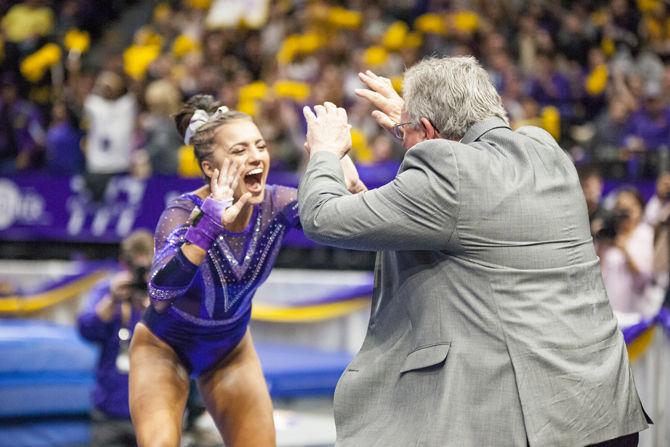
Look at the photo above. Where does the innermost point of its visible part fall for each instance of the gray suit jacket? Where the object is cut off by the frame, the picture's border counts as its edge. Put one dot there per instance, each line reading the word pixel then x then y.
pixel 490 325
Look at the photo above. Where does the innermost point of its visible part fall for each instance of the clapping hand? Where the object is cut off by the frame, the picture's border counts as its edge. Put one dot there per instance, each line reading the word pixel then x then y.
pixel 222 187
pixel 328 130
pixel 382 95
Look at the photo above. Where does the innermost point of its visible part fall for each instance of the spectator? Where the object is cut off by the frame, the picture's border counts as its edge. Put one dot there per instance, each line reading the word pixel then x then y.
pixel 108 319
pixel 608 139
pixel 657 214
pixel 163 141
pixel 549 86
pixel 63 143
pixel 592 186
pixel 647 132
pixel 648 128
pixel 626 254
pixel 21 132
pixel 110 113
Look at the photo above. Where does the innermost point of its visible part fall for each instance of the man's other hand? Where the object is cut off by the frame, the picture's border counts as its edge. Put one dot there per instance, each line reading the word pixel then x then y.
pixel 328 130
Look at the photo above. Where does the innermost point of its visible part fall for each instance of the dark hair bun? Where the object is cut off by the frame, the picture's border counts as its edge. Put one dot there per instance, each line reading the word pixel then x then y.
pixel 183 117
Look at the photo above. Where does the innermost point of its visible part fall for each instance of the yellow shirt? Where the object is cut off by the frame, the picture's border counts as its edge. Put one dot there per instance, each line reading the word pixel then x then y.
pixel 21 22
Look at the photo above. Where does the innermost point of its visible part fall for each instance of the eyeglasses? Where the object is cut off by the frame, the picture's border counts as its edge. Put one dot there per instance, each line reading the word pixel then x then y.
pixel 398 132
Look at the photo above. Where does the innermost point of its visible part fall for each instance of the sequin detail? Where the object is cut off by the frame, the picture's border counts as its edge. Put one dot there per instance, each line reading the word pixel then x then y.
pixel 165 294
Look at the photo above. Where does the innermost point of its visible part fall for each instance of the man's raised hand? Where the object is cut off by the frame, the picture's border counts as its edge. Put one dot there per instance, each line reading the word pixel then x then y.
pixel 383 97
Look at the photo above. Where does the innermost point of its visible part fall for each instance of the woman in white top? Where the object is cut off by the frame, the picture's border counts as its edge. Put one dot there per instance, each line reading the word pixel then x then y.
pixel 626 259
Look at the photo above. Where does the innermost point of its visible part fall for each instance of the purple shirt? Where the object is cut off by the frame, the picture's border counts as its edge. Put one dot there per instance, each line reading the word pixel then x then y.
pixel 64 155
pixel 559 97
pixel 20 128
pixel 654 132
pixel 110 395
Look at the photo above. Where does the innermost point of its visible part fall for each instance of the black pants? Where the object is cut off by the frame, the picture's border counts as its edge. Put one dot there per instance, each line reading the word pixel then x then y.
pixel 624 441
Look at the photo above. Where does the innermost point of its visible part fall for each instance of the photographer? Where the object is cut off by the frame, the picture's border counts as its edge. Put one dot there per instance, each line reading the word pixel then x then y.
pixel 625 247
pixel 108 319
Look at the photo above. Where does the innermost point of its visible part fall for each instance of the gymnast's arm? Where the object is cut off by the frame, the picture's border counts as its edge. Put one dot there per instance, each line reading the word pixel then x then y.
pixel 416 211
pixel 175 261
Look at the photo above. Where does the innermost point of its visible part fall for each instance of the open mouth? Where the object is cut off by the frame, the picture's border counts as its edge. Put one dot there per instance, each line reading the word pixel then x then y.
pixel 253 180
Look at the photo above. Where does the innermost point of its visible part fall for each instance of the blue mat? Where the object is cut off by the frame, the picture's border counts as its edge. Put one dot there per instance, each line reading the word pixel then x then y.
pixel 47 372
pixel 292 371
pixel 45 369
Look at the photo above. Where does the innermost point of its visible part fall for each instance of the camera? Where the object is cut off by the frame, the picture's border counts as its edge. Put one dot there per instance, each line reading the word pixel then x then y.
pixel 139 281
pixel 611 225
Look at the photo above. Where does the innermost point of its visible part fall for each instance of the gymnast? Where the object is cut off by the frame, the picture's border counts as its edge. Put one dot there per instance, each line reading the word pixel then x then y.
pixel 214 247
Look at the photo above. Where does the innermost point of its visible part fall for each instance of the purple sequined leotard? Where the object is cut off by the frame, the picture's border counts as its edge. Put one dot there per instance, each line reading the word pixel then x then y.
pixel 211 303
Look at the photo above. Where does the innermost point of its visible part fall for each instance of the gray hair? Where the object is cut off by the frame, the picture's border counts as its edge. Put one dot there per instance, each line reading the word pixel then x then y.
pixel 453 93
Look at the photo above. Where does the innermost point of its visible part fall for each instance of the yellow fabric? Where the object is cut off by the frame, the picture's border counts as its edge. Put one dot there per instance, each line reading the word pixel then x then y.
pixel 137 58
pixel 596 81
pixel 648 5
pixel 76 40
pixel 21 305
pixel 188 165
pixel 395 36
pixel 608 46
pixel 375 56
pixel 550 120
pixel 306 314
pixel 396 81
pixel 253 91
pixel 199 4
pixel 465 21
pixel 430 23
pixel 162 12
pixel 184 45
pixel 21 22
pixel 344 18
pixel 360 149
pixel 413 40
pixel 247 106
pixel 299 44
pixel 297 91
pixel 641 344
pixel 35 66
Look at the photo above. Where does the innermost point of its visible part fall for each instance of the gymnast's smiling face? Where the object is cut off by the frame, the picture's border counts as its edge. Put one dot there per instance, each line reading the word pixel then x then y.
pixel 241 141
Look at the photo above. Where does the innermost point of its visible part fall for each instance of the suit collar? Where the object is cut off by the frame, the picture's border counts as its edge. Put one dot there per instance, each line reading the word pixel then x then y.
pixel 481 127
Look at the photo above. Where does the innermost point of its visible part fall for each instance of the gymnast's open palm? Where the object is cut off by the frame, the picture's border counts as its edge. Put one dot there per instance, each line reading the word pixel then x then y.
pixel 222 185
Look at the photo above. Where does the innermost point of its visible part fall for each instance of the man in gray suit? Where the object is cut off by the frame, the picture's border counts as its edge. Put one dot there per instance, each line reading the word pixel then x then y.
pixel 490 325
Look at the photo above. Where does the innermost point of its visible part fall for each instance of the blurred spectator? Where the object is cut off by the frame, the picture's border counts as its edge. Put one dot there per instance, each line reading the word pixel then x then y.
pixel 162 139
pixel 21 132
pixel 110 113
pixel 657 214
pixel 64 155
pixel 592 186
pixel 648 128
pixel 626 254
pixel 109 317
pixel 556 64
pixel 609 127
pixel 549 86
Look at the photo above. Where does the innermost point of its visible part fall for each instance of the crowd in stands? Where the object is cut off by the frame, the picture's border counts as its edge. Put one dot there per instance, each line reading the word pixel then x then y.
pixel 84 89
pixel 80 92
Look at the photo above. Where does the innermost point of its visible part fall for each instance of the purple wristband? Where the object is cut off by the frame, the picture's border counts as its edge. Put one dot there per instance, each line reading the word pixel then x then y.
pixel 215 208
pixel 204 232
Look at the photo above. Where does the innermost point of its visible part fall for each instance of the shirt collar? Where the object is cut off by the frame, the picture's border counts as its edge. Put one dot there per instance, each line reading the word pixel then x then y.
pixel 481 127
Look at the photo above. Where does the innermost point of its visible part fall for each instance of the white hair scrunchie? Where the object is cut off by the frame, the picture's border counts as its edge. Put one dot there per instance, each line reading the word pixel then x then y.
pixel 201 117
